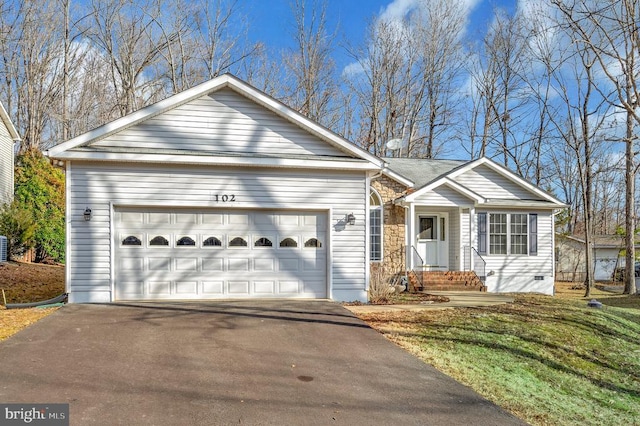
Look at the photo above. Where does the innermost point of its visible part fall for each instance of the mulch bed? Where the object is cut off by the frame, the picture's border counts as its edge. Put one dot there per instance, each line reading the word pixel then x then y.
pixel 406 299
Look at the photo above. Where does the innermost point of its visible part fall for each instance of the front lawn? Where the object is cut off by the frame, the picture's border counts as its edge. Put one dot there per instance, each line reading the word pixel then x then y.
pixel 548 360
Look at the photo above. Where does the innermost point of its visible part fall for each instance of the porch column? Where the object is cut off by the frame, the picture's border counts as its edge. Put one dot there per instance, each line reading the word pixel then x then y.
pixel 410 234
pixel 472 232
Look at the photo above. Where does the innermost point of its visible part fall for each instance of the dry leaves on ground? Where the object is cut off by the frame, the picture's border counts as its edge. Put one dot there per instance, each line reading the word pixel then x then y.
pixel 14 320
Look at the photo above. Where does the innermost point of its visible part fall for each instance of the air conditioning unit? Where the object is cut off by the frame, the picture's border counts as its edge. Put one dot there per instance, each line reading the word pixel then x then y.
pixel 3 249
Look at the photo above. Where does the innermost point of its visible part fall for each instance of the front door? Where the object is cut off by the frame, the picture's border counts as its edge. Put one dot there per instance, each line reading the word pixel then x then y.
pixel 428 239
pixel 431 241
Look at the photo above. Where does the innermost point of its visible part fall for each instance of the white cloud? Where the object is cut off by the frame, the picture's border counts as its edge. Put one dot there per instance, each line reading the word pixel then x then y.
pixel 395 15
pixel 353 69
pixel 398 9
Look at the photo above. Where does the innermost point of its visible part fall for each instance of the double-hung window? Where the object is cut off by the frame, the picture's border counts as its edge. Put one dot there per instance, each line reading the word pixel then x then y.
pixel 508 233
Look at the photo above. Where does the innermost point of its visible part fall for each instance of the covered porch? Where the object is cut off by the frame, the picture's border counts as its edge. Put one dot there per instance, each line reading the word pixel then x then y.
pixel 440 247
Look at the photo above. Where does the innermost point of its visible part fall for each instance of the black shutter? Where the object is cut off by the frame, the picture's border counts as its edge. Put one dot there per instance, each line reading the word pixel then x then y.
pixel 533 234
pixel 482 233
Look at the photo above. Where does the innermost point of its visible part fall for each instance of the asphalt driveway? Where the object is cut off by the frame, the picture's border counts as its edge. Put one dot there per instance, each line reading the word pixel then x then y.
pixel 248 363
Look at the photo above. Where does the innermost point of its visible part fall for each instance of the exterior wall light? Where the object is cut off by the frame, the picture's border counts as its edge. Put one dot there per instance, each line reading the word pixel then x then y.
pixel 351 219
pixel 87 214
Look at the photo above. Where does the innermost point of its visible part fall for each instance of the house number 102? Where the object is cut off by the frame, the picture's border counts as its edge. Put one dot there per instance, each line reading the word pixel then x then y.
pixel 225 198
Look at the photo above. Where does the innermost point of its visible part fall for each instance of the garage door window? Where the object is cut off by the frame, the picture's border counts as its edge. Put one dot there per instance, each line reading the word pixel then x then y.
pixel 203 253
pixel 288 242
pixel 313 242
pixel 238 242
pixel 185 241
pixel 212 242
pixel 263 242
pixel 131 240
pixel 159 241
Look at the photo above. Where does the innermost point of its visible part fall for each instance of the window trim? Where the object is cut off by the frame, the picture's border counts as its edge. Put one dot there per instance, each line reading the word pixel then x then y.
pixel 378 208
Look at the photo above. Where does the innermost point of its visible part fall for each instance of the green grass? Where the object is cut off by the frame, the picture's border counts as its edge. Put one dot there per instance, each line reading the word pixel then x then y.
pixel 548 360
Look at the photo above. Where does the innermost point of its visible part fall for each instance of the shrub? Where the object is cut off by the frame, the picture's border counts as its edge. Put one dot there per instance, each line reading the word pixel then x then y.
pixel 380 285
pixel 39 190
pixel 18 226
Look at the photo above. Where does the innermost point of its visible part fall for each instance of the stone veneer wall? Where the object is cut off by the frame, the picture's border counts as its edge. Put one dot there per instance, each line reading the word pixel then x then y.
pixel 393 233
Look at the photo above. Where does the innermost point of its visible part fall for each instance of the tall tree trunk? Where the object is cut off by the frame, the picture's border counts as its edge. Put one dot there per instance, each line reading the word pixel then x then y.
pixel 629 223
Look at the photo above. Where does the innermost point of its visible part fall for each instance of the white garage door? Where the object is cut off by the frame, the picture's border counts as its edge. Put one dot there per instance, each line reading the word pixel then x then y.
pixel 187 254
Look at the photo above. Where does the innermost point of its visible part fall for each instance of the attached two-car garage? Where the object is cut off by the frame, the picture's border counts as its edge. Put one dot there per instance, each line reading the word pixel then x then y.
pixel 218 192
pixel 213 254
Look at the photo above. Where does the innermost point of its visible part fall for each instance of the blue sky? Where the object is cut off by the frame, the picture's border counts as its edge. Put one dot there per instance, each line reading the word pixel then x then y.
pixel 271 21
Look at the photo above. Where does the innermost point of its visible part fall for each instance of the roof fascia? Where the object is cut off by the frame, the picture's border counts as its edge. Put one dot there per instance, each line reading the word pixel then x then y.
pixel 398 177
pixel 9 124
pixel 216 160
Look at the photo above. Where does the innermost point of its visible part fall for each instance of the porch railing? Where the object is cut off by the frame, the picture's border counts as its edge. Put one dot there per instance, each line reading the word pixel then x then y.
pixel 479 265
pixel 418 265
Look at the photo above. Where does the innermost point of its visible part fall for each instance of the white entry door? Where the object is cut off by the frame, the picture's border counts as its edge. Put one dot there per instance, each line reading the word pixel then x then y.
pixel 431 241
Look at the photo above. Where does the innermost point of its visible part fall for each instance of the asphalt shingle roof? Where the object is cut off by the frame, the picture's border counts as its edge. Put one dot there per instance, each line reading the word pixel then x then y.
pixel 422 171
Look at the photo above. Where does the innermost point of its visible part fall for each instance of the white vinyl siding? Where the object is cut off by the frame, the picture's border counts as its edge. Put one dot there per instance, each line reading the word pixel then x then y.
pixel 223 122
pixel 6 165
pixel 443 196
pixel 517 273
pixel 104 186
pixel 492 185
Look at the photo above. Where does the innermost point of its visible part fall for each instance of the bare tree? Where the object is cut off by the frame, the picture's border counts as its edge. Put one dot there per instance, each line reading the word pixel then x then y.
pixel 405 79
pixel 221 38
pixel 437 34
pixel 609 30
pixel 32 68
pixel 581 127
pixel 498 79
pixel 130 36
pixel 310 66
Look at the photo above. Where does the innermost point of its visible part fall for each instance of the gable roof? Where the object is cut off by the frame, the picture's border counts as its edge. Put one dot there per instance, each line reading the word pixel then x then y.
pixel 429 174
pixel 81 147
pixel 4 117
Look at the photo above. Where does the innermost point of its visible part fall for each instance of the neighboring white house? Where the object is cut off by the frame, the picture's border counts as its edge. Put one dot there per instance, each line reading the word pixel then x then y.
pixel 467 216
pixel 216 192
pixel 8 136
pixel 608 255
pixel 223 192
